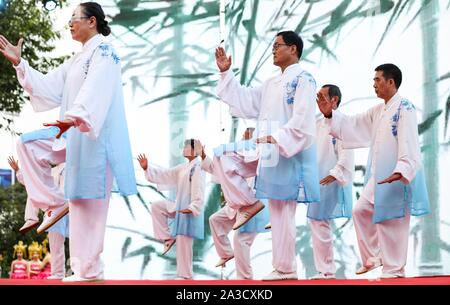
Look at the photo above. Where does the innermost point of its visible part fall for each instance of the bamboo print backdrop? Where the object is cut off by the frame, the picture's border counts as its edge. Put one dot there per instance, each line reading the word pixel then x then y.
pixel 170 75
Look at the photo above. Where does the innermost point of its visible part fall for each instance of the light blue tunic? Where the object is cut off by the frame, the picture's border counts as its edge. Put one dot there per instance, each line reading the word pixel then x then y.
pixel 393 199
pixel 188 224
pixel 87 88
pixel 294 178
pixel 284 107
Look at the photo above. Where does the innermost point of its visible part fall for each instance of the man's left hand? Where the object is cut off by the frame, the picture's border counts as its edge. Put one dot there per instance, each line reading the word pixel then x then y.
pixel 327 180
pixel 392 178
pixel 266 139
pixel 62 125
pixel 186 211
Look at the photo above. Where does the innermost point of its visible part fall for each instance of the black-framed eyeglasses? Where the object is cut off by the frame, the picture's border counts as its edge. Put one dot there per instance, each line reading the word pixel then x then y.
pixel 276 46
pixel 77 18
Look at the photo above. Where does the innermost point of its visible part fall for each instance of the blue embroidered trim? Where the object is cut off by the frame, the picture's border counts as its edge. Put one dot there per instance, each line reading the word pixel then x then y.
pixel 396 117
pixel 86 67
pixel 107 51
pixel 291 87
pixel 290 90
pixel 191 172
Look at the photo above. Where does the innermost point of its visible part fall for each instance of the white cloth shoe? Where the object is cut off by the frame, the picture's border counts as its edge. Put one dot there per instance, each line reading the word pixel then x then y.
pixel 168 244
pixel 51 216
pixel 246 213
pixel 55 277
pixel 76 278
pixel 390 276
pixel 28 226
pixel 365 269
pixel 323 276
pixel 223 261
pixel 276 275
pixel 179 278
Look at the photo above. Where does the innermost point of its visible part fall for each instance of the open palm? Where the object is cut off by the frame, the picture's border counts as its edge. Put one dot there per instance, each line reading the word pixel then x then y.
pixel 11 52
pixel 223 62
pixel 143 162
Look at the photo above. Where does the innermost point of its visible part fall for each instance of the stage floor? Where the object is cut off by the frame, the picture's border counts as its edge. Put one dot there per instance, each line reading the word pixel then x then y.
pixel 434 280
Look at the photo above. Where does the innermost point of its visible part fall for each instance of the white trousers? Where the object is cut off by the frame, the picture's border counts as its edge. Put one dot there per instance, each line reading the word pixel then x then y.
pixel 282 213
pixel 36 160
pixel 58 257
pixel 221 224
pixel 87 232
pixel 322 241
pixel 232 171
pixel 161 212
pixel 31 212
pixel 385 242
pixel 87 216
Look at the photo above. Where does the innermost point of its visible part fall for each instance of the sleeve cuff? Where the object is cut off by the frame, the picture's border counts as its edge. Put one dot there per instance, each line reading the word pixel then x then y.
pixel 206 164
pixel 194 210
pixel 337 173
pixel 408 174
pixel 81 120
pixel 334 123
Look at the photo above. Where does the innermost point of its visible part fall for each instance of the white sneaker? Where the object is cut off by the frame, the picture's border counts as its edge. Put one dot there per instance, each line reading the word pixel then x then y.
pixel 52 216
pixel 223 261
pixel 268 226
pixel 323 276
pixel 364 269
pixel 276 275
pixel 246 213
pixel 28 226
pixel 76 278
pixel 55 277
pixel 179 278
pixel 390 276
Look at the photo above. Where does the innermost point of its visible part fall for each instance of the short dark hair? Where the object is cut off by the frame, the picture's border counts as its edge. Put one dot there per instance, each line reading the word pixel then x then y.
pixel 190 142
pixel 194 144
pixel 292 38
pixel 250 129
pixel 391 71
pixel 333 91
pixel 93 9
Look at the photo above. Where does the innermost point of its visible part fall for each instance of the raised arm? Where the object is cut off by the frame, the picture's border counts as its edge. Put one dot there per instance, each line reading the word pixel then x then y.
pixel 45 89
pixel 244 102
pixel 354 131
pixel 159 175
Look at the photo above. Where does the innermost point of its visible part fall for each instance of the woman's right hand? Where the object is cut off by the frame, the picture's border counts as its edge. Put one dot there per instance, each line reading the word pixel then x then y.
pixel 12 53
pixel 13 163
pixel 143 161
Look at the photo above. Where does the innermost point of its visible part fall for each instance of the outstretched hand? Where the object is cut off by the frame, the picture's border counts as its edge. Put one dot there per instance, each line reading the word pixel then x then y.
pixel 266 140
pixel 62 125
pixel 11 52
pixel 203 154
pixel 223 62
pixel 186 211
pixel 327 180
pixel 391 178
pixel 324 104
pixel 13 163
pixel 143 161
